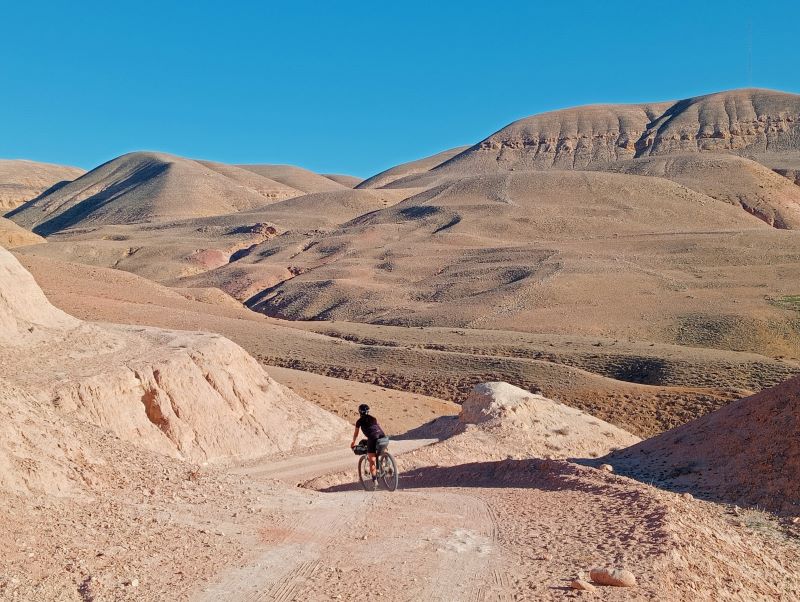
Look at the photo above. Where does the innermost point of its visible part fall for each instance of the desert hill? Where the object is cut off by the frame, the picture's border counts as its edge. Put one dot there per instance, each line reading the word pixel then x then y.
pixel 177 251
pixel 296 219
pixel 411 168
pixel 729 145
pixel 760 124
pixel 534 250
pixel 671 384
pixel 21 181
pixel 746 452
pixel 736 180
pixel 12 235
pixel 189 395
pixel 344 180
pixel 507 249
pixel 325 210
pixel 296 177
pixel 144 187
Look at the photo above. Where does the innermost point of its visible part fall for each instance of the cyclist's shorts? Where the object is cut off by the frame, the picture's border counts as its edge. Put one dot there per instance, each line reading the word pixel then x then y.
pixel 374 444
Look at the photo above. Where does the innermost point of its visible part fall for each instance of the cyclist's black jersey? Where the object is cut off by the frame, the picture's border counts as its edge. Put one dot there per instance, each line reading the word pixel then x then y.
pixel 370 427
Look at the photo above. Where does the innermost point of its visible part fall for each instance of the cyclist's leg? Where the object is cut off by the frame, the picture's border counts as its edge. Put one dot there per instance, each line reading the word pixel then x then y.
pixel 372 451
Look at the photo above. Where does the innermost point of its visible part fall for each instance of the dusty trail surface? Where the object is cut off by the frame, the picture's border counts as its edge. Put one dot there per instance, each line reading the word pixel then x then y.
pixel 509 530
pixel 421 544
pixel 298 468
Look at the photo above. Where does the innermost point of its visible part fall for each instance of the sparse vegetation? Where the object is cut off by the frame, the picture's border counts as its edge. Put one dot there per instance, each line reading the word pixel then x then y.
pixel 786 302
pixel 762 521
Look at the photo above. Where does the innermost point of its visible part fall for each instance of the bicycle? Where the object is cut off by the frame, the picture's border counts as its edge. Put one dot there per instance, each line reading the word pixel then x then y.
pixel 384 463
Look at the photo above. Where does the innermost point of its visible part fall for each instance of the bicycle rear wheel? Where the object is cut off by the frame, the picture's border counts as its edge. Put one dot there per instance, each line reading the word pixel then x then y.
pixel 364 474
pixel 389 471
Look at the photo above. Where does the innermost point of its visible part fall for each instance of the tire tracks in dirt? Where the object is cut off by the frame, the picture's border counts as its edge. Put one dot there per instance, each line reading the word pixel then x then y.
pixel 470 561
pixel 289 554
pixel 428 543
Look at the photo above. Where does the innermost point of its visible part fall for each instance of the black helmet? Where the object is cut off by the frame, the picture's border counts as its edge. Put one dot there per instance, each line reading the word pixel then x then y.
pixel 363 409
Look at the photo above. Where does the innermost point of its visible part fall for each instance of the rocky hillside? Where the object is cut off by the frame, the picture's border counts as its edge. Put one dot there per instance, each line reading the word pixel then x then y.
pixel 754 123
pixel 189 395
pixel 745 453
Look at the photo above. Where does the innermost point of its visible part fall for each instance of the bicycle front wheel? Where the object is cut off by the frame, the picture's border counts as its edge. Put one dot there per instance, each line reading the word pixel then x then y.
pixel 389 471
pixel 364 474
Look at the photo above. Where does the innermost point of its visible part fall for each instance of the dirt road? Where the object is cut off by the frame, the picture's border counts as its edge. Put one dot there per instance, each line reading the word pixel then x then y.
pixel 296 469
pixel 407 545
pixel 492 531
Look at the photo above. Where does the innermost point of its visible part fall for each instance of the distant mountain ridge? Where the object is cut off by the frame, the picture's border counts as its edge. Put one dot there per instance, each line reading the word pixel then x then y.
pixel 146 186
pixel 759 124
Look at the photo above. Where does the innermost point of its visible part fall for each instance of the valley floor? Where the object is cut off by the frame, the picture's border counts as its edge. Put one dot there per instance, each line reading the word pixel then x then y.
pixel 510 530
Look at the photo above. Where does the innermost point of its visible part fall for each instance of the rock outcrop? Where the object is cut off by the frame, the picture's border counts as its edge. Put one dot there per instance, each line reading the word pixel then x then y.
pixel 573 138
pixel 194 396
pixel 26 316
pixel 500 421
pixel 746 122
pixel 539 426
pixel 613 577
pixel 12 235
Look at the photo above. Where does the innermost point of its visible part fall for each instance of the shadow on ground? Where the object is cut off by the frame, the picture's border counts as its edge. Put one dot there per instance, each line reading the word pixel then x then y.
pixel 440 428
pixel 540 474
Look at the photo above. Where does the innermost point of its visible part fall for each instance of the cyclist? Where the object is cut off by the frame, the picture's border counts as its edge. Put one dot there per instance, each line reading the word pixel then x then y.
pixel 372 431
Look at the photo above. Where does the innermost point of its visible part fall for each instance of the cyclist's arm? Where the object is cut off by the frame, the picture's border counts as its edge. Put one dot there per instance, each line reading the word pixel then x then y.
pixel 355 436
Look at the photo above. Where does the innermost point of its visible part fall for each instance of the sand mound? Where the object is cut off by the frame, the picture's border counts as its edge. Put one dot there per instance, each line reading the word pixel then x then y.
pixel 539 426
pixel 747 452
pixel 21 181
pixel 190 395
pixel 144 187
pixel 12 235
pixel 296 177
pixel 499 420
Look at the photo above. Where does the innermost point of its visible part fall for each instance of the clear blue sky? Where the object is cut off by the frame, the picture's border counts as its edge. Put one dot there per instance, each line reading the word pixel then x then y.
pixel 355 87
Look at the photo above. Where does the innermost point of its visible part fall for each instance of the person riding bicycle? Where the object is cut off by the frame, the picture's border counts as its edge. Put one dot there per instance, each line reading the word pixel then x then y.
pixel 372 431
